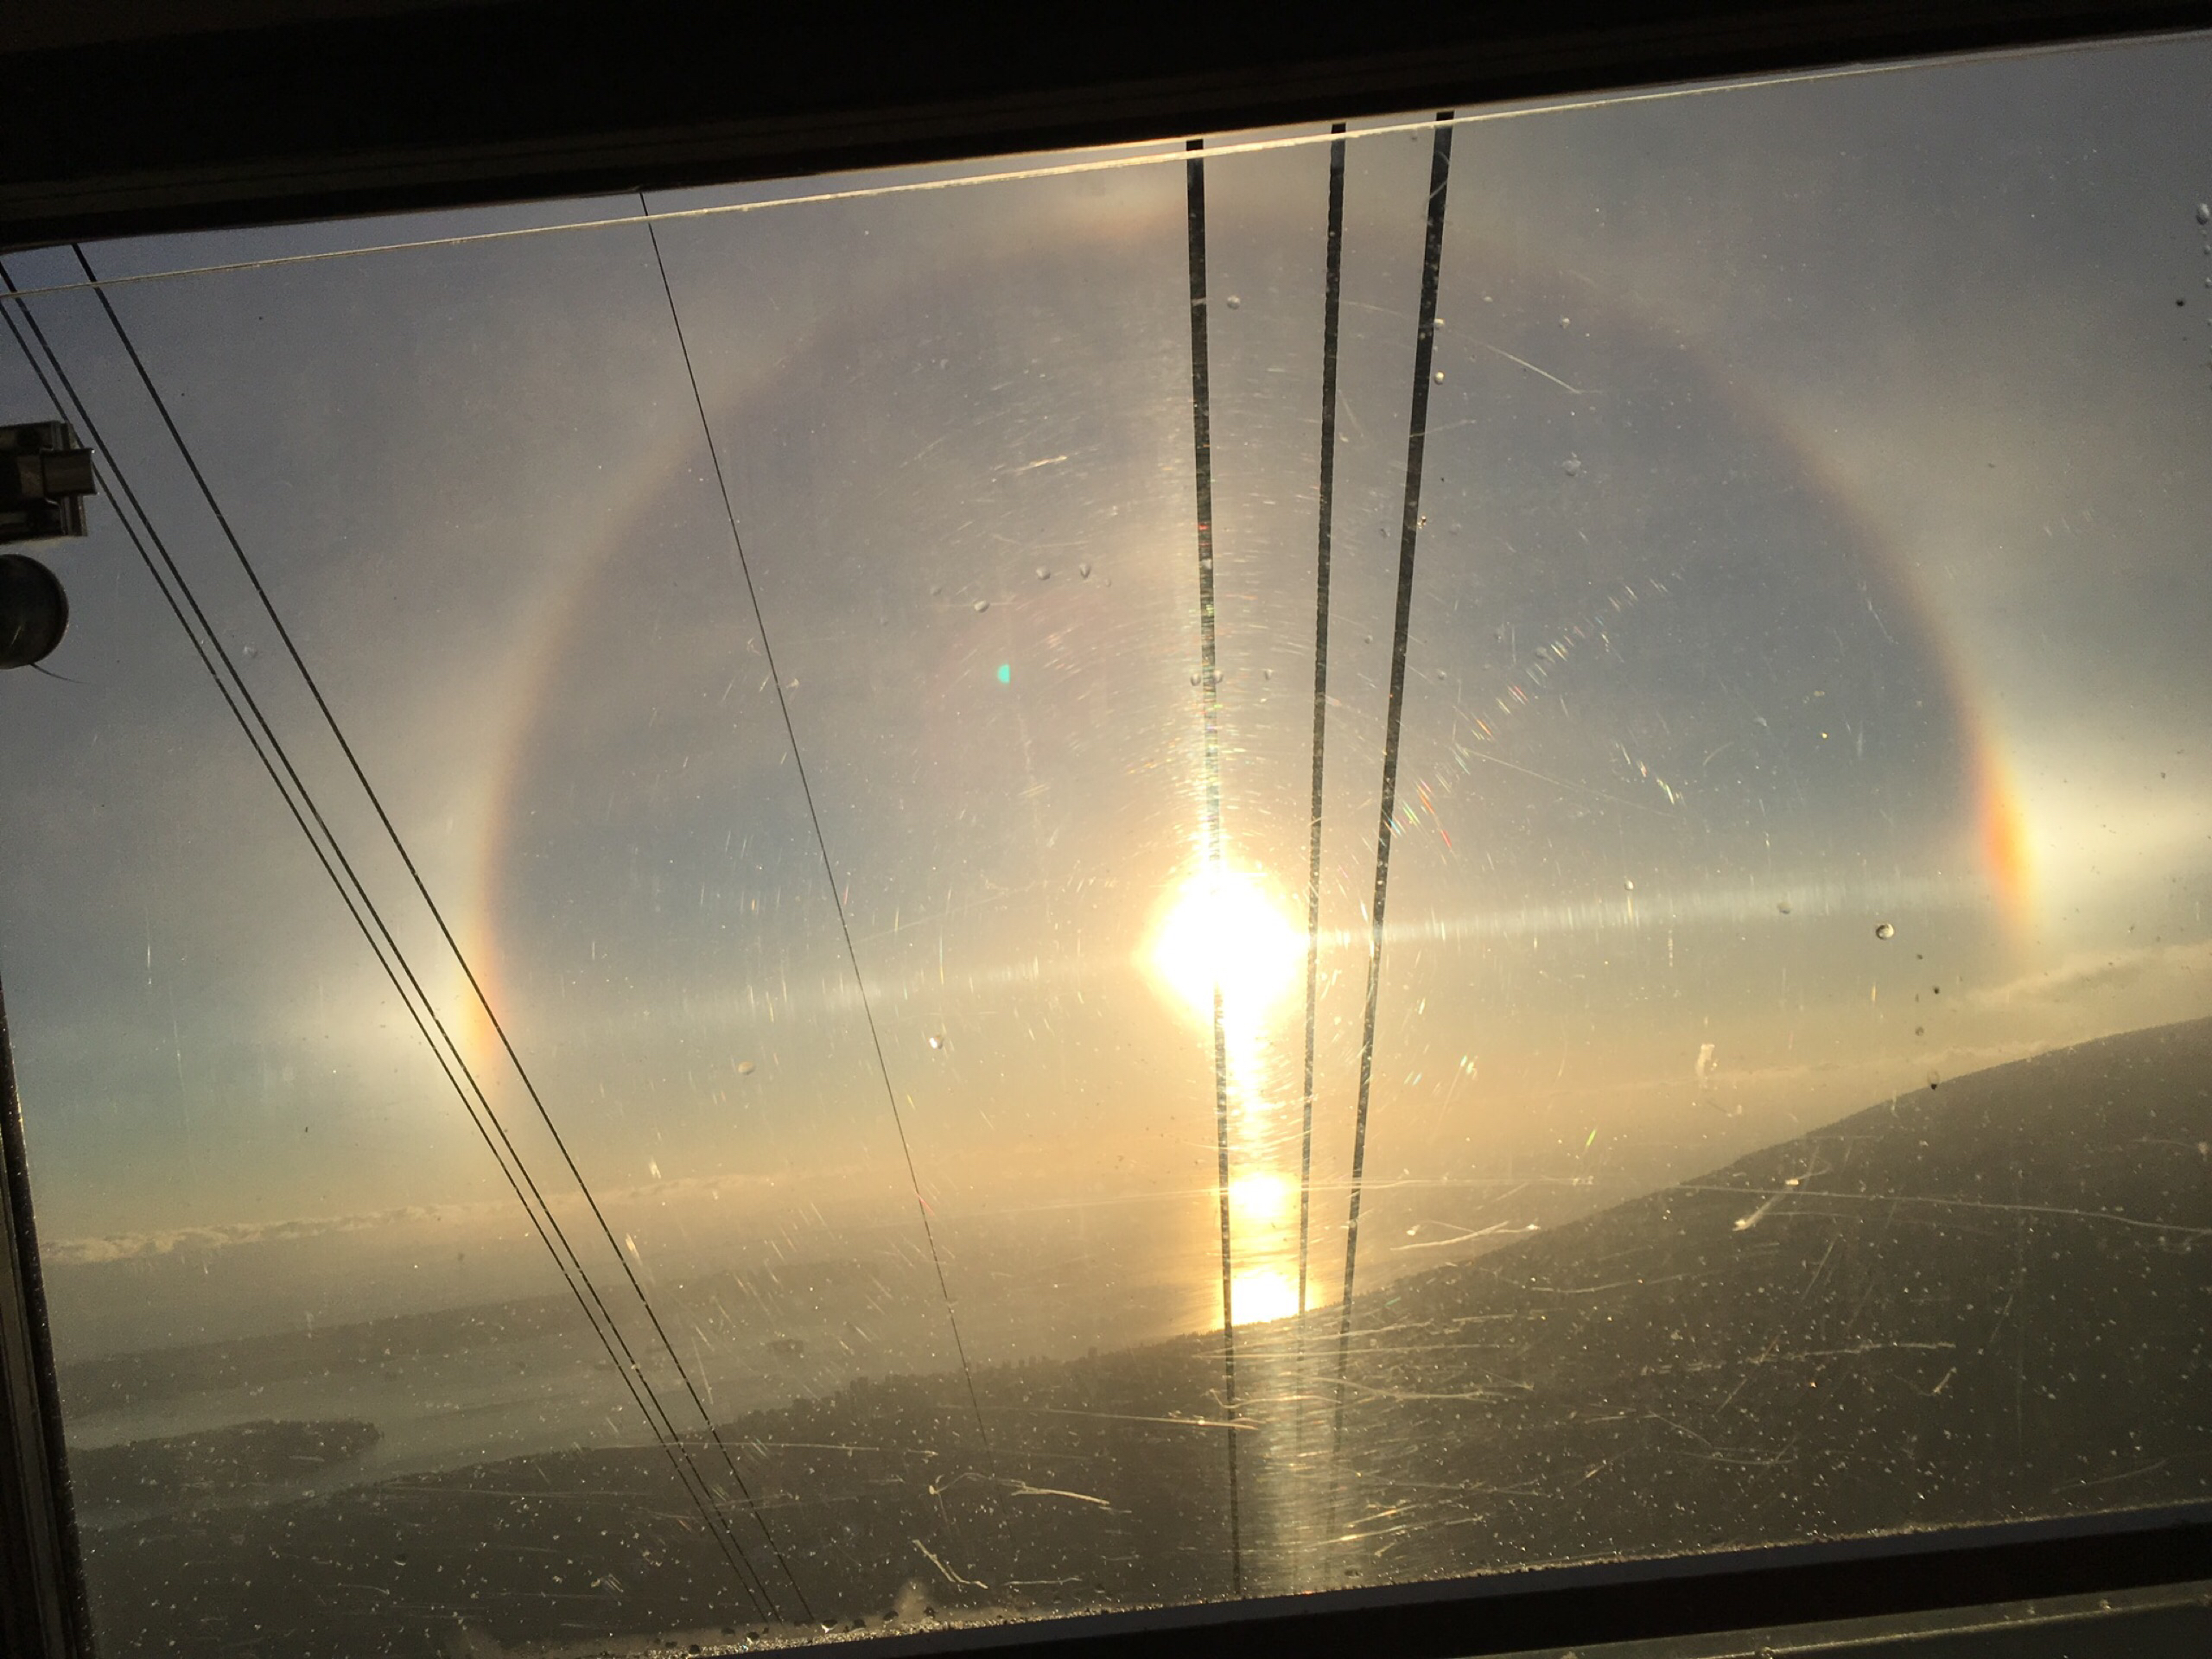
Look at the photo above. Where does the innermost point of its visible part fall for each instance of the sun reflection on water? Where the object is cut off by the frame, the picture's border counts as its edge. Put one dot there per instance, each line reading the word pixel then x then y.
pixel 1264 1293
pixel 1224 933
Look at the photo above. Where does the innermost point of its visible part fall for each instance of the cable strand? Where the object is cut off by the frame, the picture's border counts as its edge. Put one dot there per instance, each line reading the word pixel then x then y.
pixel 391 832
pixel 717 1525
pixel 1332 293
pixel 650 1403
pixel 1409 536
pixel 821 841
pixel 1210 702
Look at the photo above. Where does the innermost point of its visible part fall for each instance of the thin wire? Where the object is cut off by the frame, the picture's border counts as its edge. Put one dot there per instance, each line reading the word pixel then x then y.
pixel 491 1016
pixel 1194 177
pixel 747 1580
pixel 275 744
pixel 399 846
pixel 1114 163
pixel 649 1403
pixel 821 841
pixel 1409 535
pixel 1332 293
pixel 44 385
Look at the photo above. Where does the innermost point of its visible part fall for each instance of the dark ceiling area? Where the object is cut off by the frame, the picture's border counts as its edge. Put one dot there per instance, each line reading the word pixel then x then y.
pixel 125 116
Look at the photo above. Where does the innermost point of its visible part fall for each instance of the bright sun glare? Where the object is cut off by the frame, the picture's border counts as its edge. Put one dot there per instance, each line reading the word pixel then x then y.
pixel 1264 1293
pixel 1261 1199
pixel 1224 929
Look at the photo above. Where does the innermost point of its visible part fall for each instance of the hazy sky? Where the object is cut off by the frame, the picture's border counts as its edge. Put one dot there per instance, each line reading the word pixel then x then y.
pixel 1816 509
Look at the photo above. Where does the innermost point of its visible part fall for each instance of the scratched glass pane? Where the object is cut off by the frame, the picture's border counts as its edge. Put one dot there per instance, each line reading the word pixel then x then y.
pixel 749 1058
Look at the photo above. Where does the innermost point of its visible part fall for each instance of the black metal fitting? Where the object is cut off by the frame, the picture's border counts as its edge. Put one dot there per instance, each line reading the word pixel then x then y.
pixel 45 475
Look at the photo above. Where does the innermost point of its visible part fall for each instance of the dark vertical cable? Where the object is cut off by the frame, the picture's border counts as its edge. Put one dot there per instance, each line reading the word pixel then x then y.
pixel 376 801
pixel 717 1525
pixel 1210 700
pixel 1409 533
pixel 1333 292
pixel 372 925
pixel 821 841
pixel 43 1612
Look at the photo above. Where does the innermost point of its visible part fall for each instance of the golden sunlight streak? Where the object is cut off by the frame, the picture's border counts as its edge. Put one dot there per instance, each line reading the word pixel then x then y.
pixel 1261 1199
pixel 1264 1293
pixel 1224 930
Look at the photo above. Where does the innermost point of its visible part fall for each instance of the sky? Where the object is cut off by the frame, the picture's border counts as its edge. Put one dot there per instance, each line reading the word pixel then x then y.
pixel 1804 698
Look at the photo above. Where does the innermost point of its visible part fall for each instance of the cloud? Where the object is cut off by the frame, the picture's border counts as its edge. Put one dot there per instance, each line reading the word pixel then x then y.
pixel 2095 973
pixel 498 1215
pixel 130 1246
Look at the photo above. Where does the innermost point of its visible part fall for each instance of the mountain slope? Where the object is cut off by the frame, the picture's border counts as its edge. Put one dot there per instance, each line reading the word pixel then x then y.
pixel 1975 1303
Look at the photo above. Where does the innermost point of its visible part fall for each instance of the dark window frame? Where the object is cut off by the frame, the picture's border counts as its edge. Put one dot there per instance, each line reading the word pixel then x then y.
pixel 427 103
pixel 42 1608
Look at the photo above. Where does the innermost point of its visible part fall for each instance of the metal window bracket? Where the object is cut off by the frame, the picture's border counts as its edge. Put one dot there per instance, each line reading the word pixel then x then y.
pixel 45 475
pixel 43 1613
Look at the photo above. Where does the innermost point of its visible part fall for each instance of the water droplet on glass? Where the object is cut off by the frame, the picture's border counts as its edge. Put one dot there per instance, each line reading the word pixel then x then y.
pixel 2204 213
pixel 1194 679
pixel 745 1068
pixel 1628 886
pixel 253 651
pixel 1439 376
pixel 936 588
pixel 1884 931
pixel 1084 569
pixel 1234 302
pixel 1934 1078
pixel 982 605
pixel 1563 321
pixel 1043 575
pixel 1571 466
pixel 1784 907
pixel 936 1039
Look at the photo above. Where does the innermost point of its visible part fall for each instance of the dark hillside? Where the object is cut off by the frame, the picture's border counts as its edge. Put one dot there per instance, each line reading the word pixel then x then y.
pixel 1983 1301
pixel 1975 1303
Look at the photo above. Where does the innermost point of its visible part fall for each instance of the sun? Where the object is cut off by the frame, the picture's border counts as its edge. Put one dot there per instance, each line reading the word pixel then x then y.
pixel 1224 930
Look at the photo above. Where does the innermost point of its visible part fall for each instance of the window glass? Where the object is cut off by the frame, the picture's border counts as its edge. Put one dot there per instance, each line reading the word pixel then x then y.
pixel 695 955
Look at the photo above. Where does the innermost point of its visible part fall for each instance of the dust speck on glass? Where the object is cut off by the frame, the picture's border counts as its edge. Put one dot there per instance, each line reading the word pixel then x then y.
pixel 727 923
